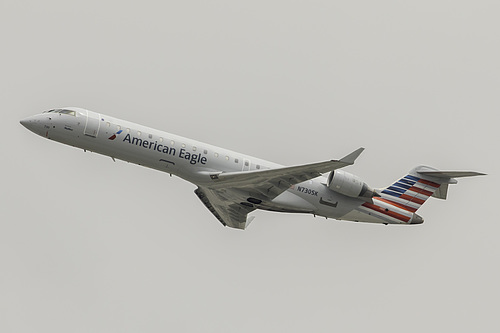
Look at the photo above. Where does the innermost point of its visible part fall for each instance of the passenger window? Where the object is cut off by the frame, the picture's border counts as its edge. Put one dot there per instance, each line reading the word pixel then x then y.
pixel 258 166
pixel 205 151
pixel 235 160
pixel 128 130
pixel 161 139
pixel 150 136
pixel 246 163
pixel 194 148
pixel 108 124
pixel 172 142
pixel 183 145
pixel 227 158
pixel 118 127
pixel 138 133
pixel 216 154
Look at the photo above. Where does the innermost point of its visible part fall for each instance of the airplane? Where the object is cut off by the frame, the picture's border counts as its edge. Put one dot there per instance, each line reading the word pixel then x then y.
pixel 232 185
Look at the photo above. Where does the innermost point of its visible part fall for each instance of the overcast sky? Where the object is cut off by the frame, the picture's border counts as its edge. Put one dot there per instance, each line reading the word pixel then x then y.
pixel 89 245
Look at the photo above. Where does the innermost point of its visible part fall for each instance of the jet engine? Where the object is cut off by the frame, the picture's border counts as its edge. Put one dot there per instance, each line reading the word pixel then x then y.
pixel 348 184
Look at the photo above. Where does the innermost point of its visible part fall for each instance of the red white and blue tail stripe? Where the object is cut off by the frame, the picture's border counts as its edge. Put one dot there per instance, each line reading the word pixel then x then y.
pixel 399 202
pixel 409 193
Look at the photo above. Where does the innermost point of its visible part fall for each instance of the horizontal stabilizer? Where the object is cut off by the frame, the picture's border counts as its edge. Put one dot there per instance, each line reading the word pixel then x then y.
pixel 422 182
pixel 451 174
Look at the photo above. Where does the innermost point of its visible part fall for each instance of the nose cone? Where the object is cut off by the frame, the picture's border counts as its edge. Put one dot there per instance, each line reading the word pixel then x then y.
pixel 25 122
pixel 29 123
pixel 33 124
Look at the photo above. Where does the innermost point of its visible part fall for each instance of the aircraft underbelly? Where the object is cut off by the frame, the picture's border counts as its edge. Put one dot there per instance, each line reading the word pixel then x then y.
pixel 358 216
pixel 365 215
pixel 292 202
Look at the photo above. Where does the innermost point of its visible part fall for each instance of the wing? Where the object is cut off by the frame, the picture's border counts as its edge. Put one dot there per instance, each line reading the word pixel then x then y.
pixel 270 183
pixel 227 197
pixel 229 213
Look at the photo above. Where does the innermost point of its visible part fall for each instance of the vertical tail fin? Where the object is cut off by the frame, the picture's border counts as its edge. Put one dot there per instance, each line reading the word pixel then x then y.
pixel 411 191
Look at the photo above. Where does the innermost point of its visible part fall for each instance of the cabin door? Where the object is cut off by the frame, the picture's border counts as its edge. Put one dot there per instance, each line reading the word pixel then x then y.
pixel 92 125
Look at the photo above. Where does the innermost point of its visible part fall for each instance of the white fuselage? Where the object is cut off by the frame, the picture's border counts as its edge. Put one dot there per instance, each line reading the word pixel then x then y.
pixel 191 160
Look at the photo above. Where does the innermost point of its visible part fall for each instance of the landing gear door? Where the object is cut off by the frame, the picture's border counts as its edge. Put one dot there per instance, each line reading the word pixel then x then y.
pixel 93 124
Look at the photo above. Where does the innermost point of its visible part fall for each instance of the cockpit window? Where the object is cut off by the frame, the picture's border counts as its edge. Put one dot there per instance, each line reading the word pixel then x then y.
pixel 71 113
pixel 63 111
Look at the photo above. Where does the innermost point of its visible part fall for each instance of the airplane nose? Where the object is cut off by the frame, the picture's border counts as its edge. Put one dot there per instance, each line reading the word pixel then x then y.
pixel 33 124
pixel 25 122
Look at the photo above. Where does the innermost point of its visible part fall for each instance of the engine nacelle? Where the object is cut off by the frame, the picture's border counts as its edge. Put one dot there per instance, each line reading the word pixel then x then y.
pixel 348 184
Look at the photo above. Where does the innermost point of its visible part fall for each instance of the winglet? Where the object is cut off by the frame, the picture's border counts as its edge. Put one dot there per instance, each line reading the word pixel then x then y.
pixel 349 159
pixel 248 221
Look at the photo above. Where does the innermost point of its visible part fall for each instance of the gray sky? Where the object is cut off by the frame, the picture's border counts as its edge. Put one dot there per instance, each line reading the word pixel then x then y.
pixel 88 245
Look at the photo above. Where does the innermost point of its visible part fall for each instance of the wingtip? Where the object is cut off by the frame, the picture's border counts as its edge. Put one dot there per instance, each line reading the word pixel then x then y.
pixel 349 159
pixel 248 221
